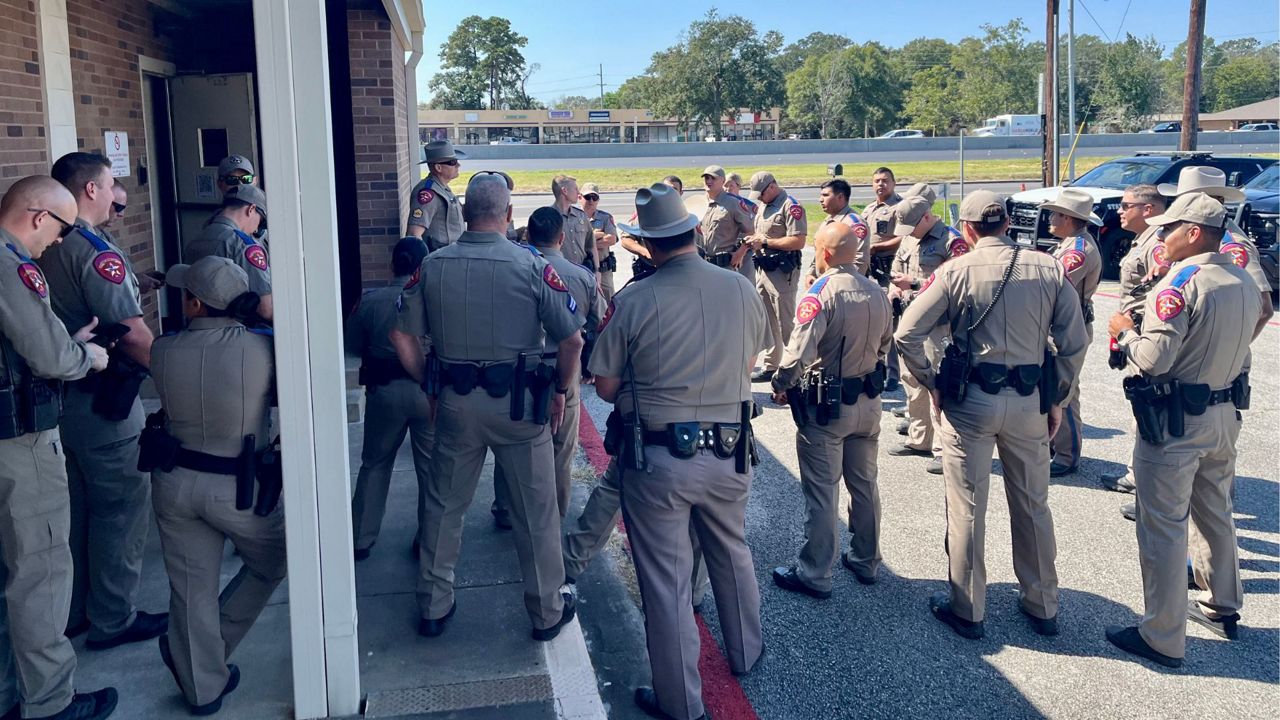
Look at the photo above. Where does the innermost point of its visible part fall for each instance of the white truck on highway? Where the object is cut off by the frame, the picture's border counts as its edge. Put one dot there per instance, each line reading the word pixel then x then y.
pixel 1009 125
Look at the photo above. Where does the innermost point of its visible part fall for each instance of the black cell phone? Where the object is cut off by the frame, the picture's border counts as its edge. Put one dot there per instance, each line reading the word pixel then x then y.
pixel 109 335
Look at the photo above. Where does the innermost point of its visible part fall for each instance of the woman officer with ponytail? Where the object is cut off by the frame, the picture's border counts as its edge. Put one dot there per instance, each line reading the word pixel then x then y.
pixel 215 383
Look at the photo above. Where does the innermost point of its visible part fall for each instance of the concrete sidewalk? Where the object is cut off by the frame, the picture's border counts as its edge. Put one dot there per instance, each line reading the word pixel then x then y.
pixel 484 666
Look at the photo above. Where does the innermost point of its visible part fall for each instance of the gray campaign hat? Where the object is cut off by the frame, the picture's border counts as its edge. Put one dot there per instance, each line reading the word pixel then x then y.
pixel 231 163
pixel 215 280
pixel 439 151
pixel 982 206
pixel 660 213
pixel 251 194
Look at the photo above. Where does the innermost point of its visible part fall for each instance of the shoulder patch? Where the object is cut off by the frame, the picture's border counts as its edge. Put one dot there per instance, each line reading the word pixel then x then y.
pixel 796 210
pixel 860 229
pixel 256 256
pixel 414 278
pixel 1238 252
pixel 817 286
pixel 552 279
pixel 1159 256
pixel 745 204
pixel 608 315
pixel 808 309
pixel 110 266
pixel 1072 259
pixel 425 196
pixel 929 281
pixel 1169 304
pixel 956 246
pixel 1080 245
pixel 33 279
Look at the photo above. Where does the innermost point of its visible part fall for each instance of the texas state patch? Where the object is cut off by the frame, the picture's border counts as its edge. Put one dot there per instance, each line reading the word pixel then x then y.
pixel 414 278
pixel 796 211
pixel 1072 260
pixel 1160 257
pixel 808 309
pixel 928 282
pixel 860 230
pixel 425 196
pixel 552 279
pixel 110 266
pixel 256 256
pixel 1169 304
pixel 957 247
pixel 33 279
pixel 1239 253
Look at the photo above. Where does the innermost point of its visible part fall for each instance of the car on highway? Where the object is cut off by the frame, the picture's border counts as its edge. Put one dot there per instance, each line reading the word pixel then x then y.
pixel 1259 127
pixel 1164 127
pixel 509 141
pixel 904 133
pixel 1260 218
pixel 1106 184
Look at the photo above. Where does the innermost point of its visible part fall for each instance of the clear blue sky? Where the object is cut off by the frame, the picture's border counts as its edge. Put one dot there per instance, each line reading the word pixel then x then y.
pixel 623 34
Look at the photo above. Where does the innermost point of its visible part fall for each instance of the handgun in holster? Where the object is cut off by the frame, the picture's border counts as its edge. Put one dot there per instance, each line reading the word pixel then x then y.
pixel 270 479
pixel 117 388
pixel 157 449
pixel 744 456
pixel 1240 391
pixel 518 380
pixel 897 306
pixel 953 375
pixel 799 403
pixel 1175 410
pixel 246 472
pixel 613 433
pixel 1048 382
pixel 542 385
pixel 1145 398
pixel 431 375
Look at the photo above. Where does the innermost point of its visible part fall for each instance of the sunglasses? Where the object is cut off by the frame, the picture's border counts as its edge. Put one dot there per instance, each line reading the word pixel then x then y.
pixel 1130 206
pixel 118 208
pixel 246 179
pixel 450 163
pixel 591 197
pixel 66 226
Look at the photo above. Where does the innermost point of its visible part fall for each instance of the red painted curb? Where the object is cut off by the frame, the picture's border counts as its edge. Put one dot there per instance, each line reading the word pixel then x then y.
pixel 721 692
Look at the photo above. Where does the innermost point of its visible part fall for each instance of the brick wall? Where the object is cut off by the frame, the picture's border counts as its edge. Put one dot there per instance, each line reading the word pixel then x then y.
pixel 23 148
pixel 106 38
pixel 383 172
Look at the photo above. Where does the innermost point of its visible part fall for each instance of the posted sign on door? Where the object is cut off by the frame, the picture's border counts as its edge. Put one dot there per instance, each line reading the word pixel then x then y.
pixel 117 147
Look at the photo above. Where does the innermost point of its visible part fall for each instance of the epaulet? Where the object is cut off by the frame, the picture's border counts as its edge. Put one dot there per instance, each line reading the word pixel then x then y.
pixel 264 331
pixel 1238 252
pixel 532 250
pixel 429 183
pixel 1080 243
pixel 1184 276
pixel 817 286
pixel 21 255
pixel 98 243
pixel 604 213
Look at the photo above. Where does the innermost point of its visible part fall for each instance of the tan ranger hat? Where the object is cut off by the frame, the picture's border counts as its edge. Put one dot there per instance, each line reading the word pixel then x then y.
pixel 215 280
pixel 924 190
pixel 1074 203
pixel 1199 178
pixel 982 206
pixel 713 170
pixel 589 189
pixel 759 182
pixel 1196 208
pixel 660 213
pixel 909 212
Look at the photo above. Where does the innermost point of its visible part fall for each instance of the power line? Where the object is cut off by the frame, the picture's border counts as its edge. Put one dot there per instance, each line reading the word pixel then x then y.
pixel 1095 22
pixel 1123 16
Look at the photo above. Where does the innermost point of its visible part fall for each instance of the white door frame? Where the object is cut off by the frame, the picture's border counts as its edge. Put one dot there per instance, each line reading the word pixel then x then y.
pixel 151 67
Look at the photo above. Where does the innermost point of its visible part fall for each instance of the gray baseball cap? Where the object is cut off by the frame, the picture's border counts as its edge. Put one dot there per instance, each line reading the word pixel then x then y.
pixel 909 212
pixel 215 280
pixel 1197 208
pixel 251 194
pixel 983 206
pixel 231 163
pixel 759 182
pixel 713 170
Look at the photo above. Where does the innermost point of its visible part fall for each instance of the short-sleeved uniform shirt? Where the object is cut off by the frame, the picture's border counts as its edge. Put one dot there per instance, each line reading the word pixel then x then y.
pixel 784 217
pixel 879 218
pixel 1236 243
pixel 38 343
pixel 221 238
pixel 434 207
pixel 691 331
pixel 917 258
pixel 371 322
pixel 1146 253
pixel 582 287
pixel 604 222
pixel 578 236
pixel 842 304
pixel 728 217
pixel 1082 264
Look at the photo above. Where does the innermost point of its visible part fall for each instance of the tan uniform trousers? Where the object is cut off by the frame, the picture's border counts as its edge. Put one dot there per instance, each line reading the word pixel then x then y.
pixel 36 660
pixel 596 523
pixel 109 508
pixel 845 447
pixel 659 505
pixel 921 415
pixel 196 513
pixel 564 446
pixel 390 412
pixel 467 426
pixel 1069 439
pixel 1190 476
pixel 778 292
pixel 1013 426
pixel 606 284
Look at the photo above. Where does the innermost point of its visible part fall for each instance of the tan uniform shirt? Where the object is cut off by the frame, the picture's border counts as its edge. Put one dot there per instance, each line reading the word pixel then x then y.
pixel 784 217
pixel 1145 254
pixel 371 322
pixel 485 299
pixel 579 240
pixel 604 222
pixel 1039 305
pixel 843 305
pixel 434 207
pixel 1082 264
pixel 214 381
pixel 691 331
pixel 879 218
pixel 1244 253
pixel 727 218
pixel 221 238
pixel 848 217
pixel 582 286
pixel 918 258
pixel 35 340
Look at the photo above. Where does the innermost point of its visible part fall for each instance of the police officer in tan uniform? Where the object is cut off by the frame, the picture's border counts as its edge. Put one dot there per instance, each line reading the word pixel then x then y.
pixel 232 234
pixel 677 367
pixel 781 233
pixel 878 214
pixel 489 306
pixel 728 218
pixel 1069 216
pixel 926 244
pixel 215 382
pixel 579 237
pixel 37 661
pixel 90 278
pixel 992 386
pixel 605 232
pixel 1194 342
pixel 546 235
pixel 435 215
pixel 842 334
pixel 834 199
pixel 394 404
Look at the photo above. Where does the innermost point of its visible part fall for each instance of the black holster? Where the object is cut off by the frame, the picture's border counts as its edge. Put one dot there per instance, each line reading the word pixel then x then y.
pixel 799 402
pixel 632 457
pixel 1048 382
pixel 246 472
pixel 518 380
pixel 725 439
pixel 613 433
pixel 953 375
pixel 375 372
pixel 432 381
pixel 829 393
pixel 542 385
pixel 270 480
pixel 117 387
pixel 1145 398
pixel 1195 398
pixel 1240 391
pixel 682 439
pixel 641 269
pixel 609 263
pixel 157 449
pixel 897 306
pixel 745 455
pixel 35 405
pixel 1175 410
pixel 1116 359
pixel 873 383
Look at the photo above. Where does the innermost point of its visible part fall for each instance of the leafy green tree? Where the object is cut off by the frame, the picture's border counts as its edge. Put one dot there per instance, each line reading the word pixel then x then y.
pixel 1246 79
pixel 998 72
pixel 931 102
pixel 814 44
pixel 482 66
pixel 1128 91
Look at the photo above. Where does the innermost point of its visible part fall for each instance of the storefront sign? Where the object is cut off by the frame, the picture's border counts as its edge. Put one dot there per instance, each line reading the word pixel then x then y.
pixel 515 117
pixel 597 116
pixel 559 114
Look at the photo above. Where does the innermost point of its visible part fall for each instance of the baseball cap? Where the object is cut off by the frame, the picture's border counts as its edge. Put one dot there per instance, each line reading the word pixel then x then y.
pixel 924 190
pixel 215 280
pixel 908 213
pixel 714 170
pixel 247 194
pixel 232 163
pixel 1196 208
pixel 589 189
pixel 759 182
pixel 983 206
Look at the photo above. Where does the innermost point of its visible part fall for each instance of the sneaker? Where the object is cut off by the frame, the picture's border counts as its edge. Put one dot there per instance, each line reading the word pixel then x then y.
pixel 934 467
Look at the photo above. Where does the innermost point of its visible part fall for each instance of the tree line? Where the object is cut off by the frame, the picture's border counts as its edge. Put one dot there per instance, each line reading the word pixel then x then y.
pixel 829 86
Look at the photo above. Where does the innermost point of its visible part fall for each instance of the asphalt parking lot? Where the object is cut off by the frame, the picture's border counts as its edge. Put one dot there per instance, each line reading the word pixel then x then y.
pixel 876 651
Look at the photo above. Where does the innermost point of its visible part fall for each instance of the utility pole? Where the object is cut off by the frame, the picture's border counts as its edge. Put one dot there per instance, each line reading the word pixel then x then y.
pixel 1191 85
pixel 601 85
pixel 1071 82
pixel 1049 122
